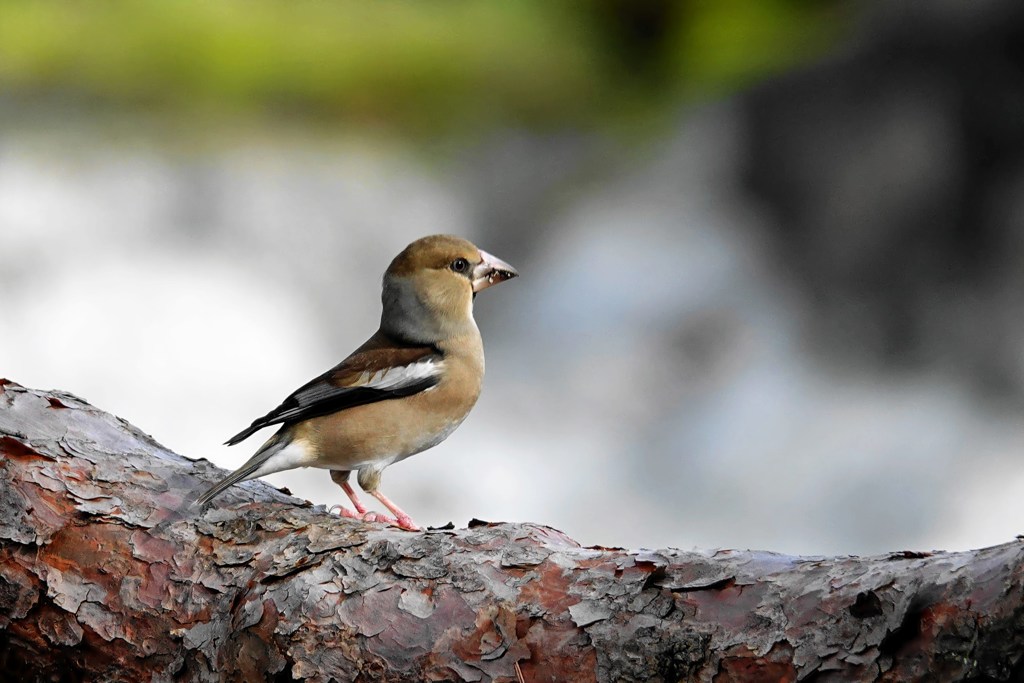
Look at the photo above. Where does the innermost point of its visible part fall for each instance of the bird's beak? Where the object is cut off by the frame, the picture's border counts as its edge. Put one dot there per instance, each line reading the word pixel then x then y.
pixel 491 271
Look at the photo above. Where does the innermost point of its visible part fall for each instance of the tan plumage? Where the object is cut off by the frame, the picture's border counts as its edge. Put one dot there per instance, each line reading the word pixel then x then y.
pixel 403 391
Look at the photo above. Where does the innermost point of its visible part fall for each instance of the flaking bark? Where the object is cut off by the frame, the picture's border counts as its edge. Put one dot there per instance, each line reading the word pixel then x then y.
pixel 267 587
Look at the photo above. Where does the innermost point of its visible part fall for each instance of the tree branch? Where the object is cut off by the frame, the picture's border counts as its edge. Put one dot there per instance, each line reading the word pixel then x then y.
pixel 266 587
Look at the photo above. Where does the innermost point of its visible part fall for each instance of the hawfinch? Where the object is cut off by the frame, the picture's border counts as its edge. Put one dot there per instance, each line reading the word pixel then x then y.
pixel 403 391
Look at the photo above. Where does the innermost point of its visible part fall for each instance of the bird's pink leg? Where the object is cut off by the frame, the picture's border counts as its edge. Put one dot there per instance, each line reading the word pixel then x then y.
pixel 361 513
pixel 364 514
pixel 404 521
pixel 351 493
pixel 401 519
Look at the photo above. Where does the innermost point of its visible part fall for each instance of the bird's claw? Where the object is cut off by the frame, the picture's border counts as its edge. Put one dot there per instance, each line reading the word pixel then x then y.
pixel 405 522
pixel 372 516
pixel 344 512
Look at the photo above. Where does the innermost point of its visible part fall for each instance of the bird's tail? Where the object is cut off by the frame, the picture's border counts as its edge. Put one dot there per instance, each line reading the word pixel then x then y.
pixel 247 471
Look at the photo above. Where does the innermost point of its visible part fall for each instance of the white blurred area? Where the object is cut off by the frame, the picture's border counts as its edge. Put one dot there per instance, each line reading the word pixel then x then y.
pixel 648 383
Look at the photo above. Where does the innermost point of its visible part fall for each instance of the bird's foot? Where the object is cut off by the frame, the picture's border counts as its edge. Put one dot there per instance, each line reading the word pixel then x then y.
pixel 365 515
pixel 405 522
pixel 344 512
pixel 378 517
pixel 402 520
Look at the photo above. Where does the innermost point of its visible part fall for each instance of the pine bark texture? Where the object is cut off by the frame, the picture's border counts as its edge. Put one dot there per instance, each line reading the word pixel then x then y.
pixel 266 587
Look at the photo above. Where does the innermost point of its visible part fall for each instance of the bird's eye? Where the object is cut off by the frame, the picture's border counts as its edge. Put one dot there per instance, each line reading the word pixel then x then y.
pixel 460 265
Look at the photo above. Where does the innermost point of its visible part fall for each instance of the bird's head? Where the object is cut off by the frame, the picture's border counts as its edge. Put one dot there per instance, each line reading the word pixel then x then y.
pixel 429 287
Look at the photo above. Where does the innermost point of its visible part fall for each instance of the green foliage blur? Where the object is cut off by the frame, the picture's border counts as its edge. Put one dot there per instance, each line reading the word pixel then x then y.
pixel 415 67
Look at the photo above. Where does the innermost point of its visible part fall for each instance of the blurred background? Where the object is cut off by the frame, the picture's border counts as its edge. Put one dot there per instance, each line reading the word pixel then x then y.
pixel 772 251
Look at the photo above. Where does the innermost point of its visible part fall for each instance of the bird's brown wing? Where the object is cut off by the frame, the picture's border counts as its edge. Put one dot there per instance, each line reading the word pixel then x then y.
pixel 375 372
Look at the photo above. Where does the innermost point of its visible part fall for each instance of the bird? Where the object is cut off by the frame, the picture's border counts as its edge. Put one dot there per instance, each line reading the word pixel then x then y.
pixel 405 390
